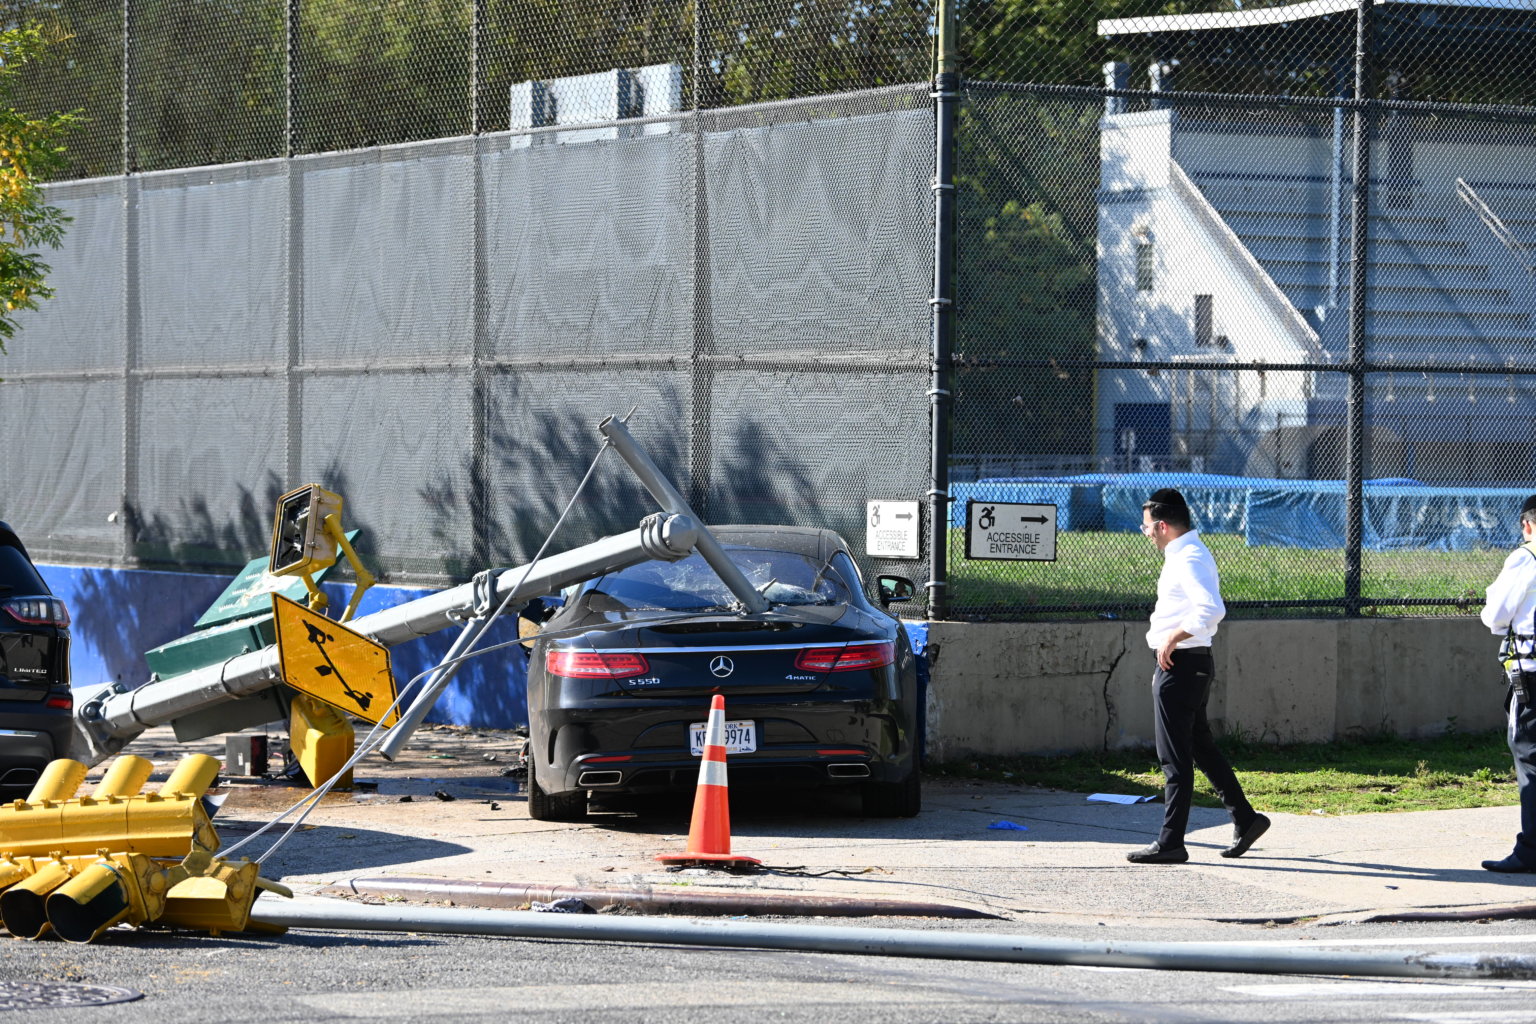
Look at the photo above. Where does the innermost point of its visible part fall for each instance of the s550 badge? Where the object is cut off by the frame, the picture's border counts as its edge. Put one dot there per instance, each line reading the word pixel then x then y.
pixel 646 681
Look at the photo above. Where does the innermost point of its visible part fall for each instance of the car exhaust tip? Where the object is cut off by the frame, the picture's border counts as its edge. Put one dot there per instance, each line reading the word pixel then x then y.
pixel 848 771
pixel 608 778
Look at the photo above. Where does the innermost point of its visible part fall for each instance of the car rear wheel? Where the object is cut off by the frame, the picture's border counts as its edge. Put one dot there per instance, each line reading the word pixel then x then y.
pixel 544 806
pixel 902 799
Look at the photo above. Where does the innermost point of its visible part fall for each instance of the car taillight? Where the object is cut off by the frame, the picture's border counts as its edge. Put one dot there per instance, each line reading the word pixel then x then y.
pixel 594 664
pixel 37 611
pixel 64 702
pixel 846 659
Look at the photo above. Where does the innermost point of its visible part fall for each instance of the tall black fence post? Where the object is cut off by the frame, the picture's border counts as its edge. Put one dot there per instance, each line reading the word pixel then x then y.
pixel 946 98
pixel 1359 227
pixel 701 446
pixel 481 446
pixel 133 327
pixel 294 253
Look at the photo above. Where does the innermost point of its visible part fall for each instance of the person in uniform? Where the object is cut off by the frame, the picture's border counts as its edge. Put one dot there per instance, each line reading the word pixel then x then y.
pixel 1184 620
pixel 1511 613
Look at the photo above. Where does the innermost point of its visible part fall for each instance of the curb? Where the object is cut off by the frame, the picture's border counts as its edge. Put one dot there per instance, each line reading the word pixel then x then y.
pixel 646 900
pixel 1496 912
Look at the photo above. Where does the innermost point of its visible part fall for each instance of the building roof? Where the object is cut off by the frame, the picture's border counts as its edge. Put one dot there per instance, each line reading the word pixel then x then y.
pixel 1216 21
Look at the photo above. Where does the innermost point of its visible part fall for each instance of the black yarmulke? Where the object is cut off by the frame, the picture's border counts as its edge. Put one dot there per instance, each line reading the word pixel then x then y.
pixel 1170 496
pixel 1530 504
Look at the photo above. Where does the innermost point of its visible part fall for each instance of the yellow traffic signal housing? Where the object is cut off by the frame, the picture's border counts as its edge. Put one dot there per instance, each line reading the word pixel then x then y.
pixel 103 892
pixel 167 823
pixel 79 865
pixel 301 544
pixel 306 536
pixel 215 895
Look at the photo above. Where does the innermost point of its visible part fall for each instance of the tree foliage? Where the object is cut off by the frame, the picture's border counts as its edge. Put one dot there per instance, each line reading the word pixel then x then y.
pixel 30 151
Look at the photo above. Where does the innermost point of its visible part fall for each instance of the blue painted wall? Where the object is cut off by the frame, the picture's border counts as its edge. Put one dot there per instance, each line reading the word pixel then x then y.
pixel 119 614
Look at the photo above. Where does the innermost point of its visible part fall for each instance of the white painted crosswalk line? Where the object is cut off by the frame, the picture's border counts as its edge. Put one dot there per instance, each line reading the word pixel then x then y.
pixel 1404 989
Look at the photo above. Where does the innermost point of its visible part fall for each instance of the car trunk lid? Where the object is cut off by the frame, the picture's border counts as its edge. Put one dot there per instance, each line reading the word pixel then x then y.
pixel 730 655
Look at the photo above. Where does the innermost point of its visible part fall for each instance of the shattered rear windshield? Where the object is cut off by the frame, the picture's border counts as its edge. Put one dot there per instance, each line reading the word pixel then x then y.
pixel 782 577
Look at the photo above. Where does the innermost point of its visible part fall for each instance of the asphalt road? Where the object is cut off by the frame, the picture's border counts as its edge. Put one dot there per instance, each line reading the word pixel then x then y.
pixel 334 976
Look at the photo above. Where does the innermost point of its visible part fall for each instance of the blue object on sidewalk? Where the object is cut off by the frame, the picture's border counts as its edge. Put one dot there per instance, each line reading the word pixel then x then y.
pixel 1009 826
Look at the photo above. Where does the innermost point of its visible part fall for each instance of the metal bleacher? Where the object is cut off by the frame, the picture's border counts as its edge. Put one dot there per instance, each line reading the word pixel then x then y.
pixel 1438 279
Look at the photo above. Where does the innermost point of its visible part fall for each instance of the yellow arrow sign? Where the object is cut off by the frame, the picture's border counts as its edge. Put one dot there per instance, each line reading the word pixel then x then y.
pixel 328 661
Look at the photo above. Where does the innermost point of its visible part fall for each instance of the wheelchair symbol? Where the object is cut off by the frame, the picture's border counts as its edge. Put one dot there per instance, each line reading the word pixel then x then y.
pixel 987 518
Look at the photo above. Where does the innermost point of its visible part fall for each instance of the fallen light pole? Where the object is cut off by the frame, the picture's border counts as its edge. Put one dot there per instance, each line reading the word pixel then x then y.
pixel 109 717
pixel 1230 957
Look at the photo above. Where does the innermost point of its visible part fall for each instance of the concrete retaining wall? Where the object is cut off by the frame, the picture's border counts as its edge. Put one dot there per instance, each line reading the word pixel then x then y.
pixel 1036 688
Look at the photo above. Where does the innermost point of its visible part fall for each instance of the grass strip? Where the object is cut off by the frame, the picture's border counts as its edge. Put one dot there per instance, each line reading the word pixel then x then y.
pixel 1351 777
pixel 1096 570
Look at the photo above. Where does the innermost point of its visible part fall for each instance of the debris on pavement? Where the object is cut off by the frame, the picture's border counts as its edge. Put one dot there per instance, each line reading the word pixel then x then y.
pixel 569 905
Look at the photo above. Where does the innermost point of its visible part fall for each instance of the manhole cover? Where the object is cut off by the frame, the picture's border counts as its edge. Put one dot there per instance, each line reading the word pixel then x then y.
pixel 41 995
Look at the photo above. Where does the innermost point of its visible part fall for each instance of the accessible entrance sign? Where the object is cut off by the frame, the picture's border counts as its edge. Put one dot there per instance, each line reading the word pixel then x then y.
pixel 1009 531
pixel 330 662
pixel 891 529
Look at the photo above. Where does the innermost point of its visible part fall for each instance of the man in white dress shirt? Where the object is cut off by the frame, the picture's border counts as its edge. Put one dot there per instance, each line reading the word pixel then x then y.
pixel 1511 613
pixel 1188 610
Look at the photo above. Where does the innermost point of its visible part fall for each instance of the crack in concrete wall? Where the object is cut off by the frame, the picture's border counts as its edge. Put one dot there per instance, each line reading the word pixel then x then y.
pixel 1111 710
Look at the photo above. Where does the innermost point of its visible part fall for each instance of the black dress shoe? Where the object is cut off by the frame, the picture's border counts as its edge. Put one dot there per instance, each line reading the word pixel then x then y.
pixel 1153 853
pixel 1246 837
pixel 1510 865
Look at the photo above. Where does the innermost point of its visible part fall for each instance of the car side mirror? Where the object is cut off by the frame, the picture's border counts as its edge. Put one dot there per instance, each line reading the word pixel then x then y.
pixel 895 589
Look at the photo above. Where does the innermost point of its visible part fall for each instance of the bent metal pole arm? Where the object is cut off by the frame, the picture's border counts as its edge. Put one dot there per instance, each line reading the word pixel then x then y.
pixel 667 496
pixel 107 719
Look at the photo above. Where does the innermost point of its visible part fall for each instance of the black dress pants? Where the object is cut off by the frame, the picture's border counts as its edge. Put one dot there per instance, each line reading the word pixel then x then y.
pixel 1184 743
pixel 1522 746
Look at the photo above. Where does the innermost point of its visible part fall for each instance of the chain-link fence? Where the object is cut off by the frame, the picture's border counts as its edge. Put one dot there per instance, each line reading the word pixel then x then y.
pixel 416 250
pixel 1281 257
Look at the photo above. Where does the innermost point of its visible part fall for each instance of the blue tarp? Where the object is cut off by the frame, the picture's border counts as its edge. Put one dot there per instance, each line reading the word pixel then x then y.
pixel 1399 512
pixel 1310 514
pixel 1218 504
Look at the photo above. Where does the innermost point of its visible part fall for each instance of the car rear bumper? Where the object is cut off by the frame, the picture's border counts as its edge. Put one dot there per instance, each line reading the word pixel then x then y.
pixel 23 755
pixel 644 750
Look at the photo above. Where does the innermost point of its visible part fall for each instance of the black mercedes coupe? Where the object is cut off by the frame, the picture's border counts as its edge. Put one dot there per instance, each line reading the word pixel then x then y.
pixel 821 690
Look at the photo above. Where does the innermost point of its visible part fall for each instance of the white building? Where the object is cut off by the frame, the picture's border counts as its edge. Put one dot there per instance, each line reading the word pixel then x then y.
pixel 1224 235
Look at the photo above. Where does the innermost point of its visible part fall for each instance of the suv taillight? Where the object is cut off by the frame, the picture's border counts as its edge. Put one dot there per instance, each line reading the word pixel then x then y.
pixel 846 659
pixel 37 611
pixel 594 664
pixel 62 701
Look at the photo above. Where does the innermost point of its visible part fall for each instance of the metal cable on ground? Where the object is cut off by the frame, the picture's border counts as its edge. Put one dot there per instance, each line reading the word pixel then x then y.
pixel 375 736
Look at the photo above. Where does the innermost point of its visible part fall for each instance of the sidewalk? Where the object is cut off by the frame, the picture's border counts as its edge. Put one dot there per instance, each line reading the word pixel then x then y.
pixel 1070 860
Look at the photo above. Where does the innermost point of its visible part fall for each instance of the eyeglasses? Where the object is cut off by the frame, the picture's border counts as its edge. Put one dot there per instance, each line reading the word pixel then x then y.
pixel 1147 529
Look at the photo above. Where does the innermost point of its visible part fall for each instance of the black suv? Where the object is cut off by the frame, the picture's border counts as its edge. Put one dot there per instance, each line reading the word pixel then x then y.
pixel 36 710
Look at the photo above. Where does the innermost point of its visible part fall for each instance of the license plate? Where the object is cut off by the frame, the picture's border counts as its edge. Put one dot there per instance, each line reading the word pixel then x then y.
pixel 740 737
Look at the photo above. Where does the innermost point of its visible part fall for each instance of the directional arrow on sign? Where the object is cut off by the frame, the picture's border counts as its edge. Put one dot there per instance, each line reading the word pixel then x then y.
pixel 328 661
pixel 1033 519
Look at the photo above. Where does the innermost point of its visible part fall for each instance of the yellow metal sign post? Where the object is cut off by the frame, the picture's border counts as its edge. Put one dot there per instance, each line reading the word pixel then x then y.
pixel 328 661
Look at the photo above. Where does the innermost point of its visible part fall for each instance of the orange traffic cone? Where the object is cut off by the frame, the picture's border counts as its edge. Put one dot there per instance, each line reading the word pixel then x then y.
pixel 709 835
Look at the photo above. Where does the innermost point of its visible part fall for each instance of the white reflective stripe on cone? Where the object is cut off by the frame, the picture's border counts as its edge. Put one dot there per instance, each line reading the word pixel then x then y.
pixel 712 773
